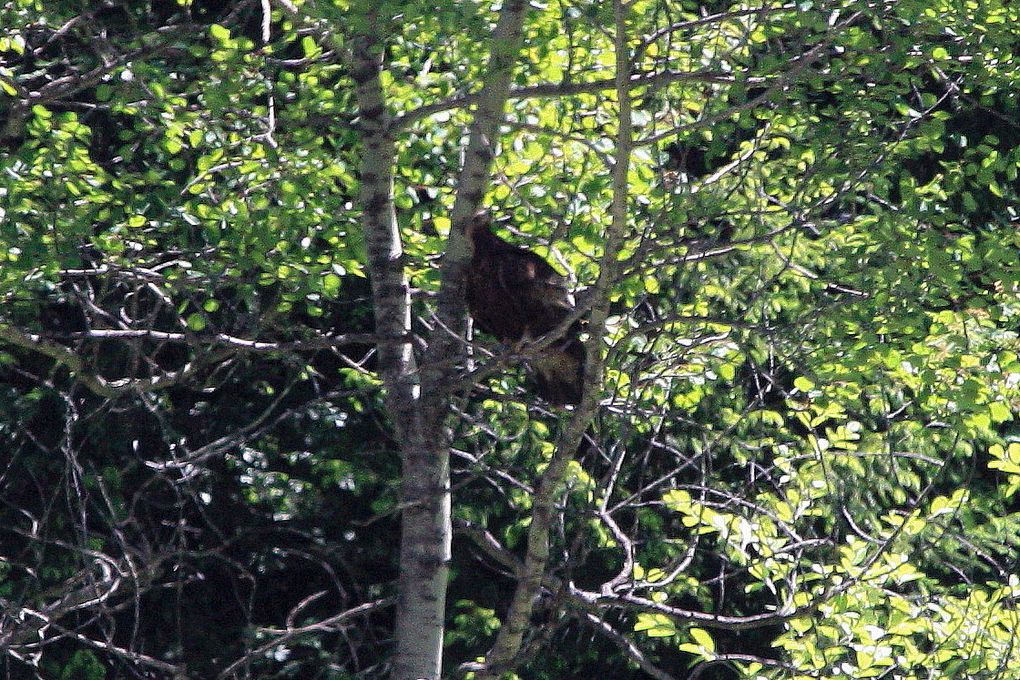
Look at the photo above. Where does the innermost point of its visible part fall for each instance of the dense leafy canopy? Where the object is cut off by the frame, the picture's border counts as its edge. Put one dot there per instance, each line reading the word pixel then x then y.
pixel 804 462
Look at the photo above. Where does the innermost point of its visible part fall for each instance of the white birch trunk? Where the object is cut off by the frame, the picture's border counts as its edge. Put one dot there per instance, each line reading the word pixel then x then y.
pixel 425 493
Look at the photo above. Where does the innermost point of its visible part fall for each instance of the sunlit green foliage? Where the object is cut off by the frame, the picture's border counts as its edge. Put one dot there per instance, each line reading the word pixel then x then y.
pixel 809 408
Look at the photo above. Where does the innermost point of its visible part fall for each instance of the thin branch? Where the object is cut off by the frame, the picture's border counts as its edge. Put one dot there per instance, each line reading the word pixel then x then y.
pixel 741 658
pixel 330 624
pixel 625 645
pixel 97 384
pixel 545 90
pixel 245 344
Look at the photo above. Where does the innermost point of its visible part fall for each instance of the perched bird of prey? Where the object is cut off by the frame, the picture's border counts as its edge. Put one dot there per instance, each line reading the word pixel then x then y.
pixel 516 296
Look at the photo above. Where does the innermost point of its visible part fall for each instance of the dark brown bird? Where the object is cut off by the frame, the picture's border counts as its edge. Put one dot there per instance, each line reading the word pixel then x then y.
pixel 516 296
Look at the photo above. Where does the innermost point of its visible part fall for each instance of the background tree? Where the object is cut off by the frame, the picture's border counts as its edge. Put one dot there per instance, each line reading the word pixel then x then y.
pixel 236 373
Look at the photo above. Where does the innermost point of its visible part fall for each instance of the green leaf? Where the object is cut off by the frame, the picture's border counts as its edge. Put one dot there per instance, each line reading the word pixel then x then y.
pixel 219 33
pixel 803 384
pixel 310 48
pixel 655 625
pixel 331 284
pixel 196 322
pixel 999 411
pixel 1005 466
pixel 979 421
pixel 703 639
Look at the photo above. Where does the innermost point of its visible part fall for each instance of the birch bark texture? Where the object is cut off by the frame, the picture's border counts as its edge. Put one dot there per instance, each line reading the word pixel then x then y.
pixel 425 532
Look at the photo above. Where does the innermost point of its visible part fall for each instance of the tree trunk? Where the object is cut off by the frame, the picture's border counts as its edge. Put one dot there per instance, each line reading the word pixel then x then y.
pixel 425 493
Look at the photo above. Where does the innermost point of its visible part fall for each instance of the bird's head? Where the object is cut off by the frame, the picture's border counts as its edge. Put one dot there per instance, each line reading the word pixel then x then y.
pixel 479 230
pixel 480 224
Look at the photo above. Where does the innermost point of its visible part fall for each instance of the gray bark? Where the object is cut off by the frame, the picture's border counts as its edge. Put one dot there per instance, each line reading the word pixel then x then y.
pixel 425 493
